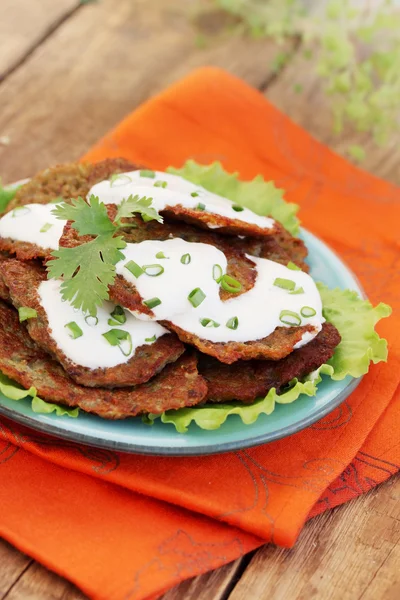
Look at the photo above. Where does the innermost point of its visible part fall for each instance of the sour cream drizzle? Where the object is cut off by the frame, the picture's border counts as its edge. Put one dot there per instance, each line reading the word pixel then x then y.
pixel 91 349
pixel 33 223
pixel 169 190
pixel 257 311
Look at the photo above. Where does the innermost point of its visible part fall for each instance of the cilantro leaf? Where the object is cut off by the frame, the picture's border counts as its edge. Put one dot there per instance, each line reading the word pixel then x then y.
pixel 134 204
pixel 6 195
pixel 87 270
pixel 90 218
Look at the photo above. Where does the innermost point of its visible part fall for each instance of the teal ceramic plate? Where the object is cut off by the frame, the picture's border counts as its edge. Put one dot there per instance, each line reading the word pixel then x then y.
pixel 134 436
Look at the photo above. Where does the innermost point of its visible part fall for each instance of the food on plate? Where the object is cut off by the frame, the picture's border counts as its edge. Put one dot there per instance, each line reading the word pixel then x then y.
pixel 83 345
pixel 249 379
pixel 183 295
pixel 21 359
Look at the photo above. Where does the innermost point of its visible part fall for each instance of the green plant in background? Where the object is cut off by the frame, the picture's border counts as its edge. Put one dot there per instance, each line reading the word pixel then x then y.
pixel 356 49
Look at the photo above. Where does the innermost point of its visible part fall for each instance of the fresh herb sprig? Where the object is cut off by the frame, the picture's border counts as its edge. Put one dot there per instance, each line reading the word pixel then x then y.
pixel 89 269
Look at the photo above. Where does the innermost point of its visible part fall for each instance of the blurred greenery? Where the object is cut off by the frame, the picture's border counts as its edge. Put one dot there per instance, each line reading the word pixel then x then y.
pixel 356 52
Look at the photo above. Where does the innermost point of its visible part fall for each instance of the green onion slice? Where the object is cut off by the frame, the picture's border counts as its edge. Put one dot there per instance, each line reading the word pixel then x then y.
pixel 308 311
pixel 162 184
pixel 229 284
pixel 201 206
pixel 237 207
pixel 152 303
pixel 120 338
pixel 194 194
pixel 150 340
pixel 217 273
pixel 24 313
pixel 161 255
pixel 232 323
pixel 196 297
pixel 91 321
pixel 209 323
pixel 118 314
pixel 134 268
pixel 46 227
pixel 299 290
pixel 121 177
pixel 147 173
pixel 20 211
pixel 185 259
pixel 292 266
pixel 285 284
pixel 153 270
pixel 288 317
pixel 74 330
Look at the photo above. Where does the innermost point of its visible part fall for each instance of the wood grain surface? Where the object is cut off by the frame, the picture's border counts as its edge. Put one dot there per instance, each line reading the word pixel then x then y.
pixel 69 72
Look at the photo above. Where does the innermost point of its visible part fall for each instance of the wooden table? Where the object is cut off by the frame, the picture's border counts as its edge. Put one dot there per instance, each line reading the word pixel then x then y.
pixel 68 73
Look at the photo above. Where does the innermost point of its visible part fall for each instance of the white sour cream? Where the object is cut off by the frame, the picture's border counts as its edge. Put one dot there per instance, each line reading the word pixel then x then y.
pixel 176 191
pixel 91 349
pixel 258 311
pixel 33 223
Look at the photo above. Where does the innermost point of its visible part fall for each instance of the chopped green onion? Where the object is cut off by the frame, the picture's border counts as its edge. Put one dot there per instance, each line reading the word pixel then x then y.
pixel 160 183
pixel 20 210
pixel 119 177
pixel 237 207
pixel 288 317
pixel 201 206
pixel 285 284
pixel 196 297
pixel 153 270
pixel 116 337
pixel 185 259
pixel 152 303
pixel 299 290
pixel 150 340
pixel 46 227
pixel 194 194
pixel 147 173
pixel 91 321
pixel 134 268
pixel 209 323
pixel 308 311
pixel 25 313
pixel 161 255
pixel 229 284
pixel 74 330
pixel 118 314
pixel 292 266
pixel 217 273
pixel 232 323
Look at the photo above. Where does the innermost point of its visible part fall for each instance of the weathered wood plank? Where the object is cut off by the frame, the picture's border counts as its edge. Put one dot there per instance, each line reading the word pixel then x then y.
pixel 12 565
pixel 214 585
pixel 311 108
pixel 23 24
pixel 37 583
pixel 351 552
pixel 104 61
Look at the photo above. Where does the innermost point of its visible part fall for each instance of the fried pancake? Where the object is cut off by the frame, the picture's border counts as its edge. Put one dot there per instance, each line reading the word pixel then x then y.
pixel 247 380
pixel 23 280
pixel 4 295
pixel 274 347
pixel 67 181
pixel 178 385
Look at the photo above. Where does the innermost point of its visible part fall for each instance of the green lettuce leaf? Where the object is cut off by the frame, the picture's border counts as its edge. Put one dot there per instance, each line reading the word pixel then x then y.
pixel 6 195
pixel 13 391
pixel 260 196
pixel 212 416
pixel 355 320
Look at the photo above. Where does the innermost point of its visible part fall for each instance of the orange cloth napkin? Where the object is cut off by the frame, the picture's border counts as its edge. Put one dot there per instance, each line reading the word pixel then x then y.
pixel 129 527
